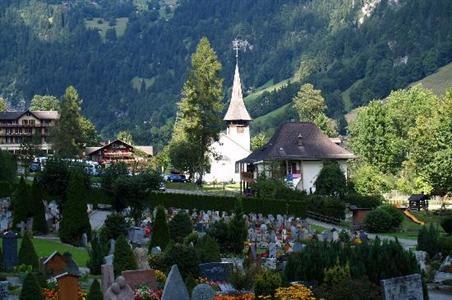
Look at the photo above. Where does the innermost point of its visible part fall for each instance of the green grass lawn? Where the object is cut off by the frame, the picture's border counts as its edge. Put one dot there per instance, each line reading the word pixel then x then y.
pixel 46 247
pixel 103 25
pixel 439 81
pixel 220 189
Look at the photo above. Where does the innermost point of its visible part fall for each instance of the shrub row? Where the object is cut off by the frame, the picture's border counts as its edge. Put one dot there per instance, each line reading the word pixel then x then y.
pixel 363 201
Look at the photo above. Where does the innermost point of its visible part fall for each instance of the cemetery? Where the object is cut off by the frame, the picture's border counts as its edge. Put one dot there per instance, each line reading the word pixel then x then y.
pixel 168 246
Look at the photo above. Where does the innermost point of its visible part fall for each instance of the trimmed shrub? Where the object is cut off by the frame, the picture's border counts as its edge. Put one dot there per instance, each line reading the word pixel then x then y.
pixel 114 226
pixel 160 232
pixel 266 283
pixel 94 291
pixel 27 254
pixel 207 249
pixel 184 257
pixel 220 232
pixel 96 255
pixel 363 201
pixel 445 243
pixel 123 259
pixel 237 230
pixel 378 221
pixel 20 207
pixel 180 226
pixel 30 289
pixel 395 213
pixel 446 224
pixel 428 240
pixel 349 289
pixel 38 209
pixel 331 180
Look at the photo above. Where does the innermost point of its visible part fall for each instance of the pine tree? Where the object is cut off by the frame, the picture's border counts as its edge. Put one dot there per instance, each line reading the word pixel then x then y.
pixel 67 134
pixel 94 291
pixel 30 289
pixel 38 210
pixel 199 110
pixel 237 229
pixel 21 211
pixel 27 254
pixel 207 249
pixel 96 255
pixel 160 232
pixel 123 257
pixel 75 219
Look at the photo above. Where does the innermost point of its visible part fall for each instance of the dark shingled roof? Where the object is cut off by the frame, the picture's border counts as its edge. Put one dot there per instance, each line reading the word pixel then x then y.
pixel 299 141
pixel 13 115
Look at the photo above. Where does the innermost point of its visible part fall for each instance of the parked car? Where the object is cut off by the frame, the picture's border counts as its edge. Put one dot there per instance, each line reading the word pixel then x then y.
pixel 177 178
pixel 162 187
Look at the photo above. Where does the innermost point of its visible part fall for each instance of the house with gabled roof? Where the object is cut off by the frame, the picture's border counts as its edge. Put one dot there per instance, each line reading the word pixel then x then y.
pixel 119 151
pixel 296 153
pixel 17 128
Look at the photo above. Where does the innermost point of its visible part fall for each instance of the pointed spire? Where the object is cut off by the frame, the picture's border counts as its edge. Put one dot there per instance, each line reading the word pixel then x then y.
pixel 237 109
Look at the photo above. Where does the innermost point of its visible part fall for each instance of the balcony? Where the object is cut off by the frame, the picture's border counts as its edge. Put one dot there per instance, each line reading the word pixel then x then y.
pixel 5 125
pixel 118 154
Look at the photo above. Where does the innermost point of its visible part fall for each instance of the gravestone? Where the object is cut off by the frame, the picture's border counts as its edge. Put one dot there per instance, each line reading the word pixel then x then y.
pixel 112 247
pixel 4 292
pixel 119 290
pixel 135 278
pixel 272 250
pixel 402 288
pixel 9 250
pixel 109 259
pixel 203 292
pixel 136 235
pixel 174 286
pixel 217 271
pixel 156 250
pixel 141 257
pixel 421 258
pixel 84 240
pixel 108 277
pixel 297 247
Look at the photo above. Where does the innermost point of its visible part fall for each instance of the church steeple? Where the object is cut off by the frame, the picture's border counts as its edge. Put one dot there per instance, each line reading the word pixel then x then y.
pixel 237 110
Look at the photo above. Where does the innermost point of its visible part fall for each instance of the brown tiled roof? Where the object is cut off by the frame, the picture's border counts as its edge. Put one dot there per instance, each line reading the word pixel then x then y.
pixel 237 109
pixel 299 141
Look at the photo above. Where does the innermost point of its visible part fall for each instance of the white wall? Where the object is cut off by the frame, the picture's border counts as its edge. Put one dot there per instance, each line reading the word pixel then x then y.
pixel 310 170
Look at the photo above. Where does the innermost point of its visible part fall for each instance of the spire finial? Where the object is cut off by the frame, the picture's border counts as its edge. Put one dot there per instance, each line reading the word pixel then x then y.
pixel 236 44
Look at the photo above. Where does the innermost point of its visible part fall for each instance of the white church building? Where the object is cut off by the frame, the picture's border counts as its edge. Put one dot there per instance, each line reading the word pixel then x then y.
pixel 234 144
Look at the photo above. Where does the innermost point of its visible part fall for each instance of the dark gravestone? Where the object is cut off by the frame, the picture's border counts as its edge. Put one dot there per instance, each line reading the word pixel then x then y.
pixel 9 250
pixel 4 292
pixel 216 271
pixel 403 288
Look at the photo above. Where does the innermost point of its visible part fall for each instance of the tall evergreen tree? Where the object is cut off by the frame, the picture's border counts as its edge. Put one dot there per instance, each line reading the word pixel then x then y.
pixel 38 209
pixel 75 219
pixel 123 259
pixel 199 111
pixel 21 210
pixel 96 255
pixel 27 254
pixel 94 291
pixel 160 232
pixel 237 229
pixel 180 226
pixel 30 288
pixel 67 134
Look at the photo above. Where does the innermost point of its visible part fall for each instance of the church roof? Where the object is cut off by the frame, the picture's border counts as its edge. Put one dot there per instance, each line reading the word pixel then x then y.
pixel 237 110
pixel 299 141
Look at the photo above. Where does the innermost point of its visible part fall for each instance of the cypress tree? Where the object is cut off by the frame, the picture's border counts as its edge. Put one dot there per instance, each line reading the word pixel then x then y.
pixel 94 291
pixel 30 289
pixel 160 232
pixel 237 229
pixel 38 210
pixel 20 207
pixel 123 257
pixel 207 249
pixel 27 254
pixel 75 219
pixel 96 255
pixel 180 226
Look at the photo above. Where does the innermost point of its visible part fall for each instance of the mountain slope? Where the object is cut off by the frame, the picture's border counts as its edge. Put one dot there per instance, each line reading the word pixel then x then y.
pixel 129 58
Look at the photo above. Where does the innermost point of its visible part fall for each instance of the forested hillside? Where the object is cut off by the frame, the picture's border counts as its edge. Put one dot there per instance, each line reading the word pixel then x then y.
pixel 128 58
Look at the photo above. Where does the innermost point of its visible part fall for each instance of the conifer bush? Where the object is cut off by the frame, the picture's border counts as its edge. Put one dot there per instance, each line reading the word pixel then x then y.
pixel 95 292
pixel 267 282
pixel 160 231
pixel 123 259
pixel 446 224
pixel 208 250
pixel 378 221
pixel 184 257
pixel 38 209
pixel 237 230
pixel 30 289
pixel 27 254
pixel 75 219
pixel 20 208
pixel 96 255
pixel 180 226
pixel 114 226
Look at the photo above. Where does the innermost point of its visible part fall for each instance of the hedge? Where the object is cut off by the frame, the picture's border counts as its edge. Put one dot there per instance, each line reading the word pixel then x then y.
pixel 363 201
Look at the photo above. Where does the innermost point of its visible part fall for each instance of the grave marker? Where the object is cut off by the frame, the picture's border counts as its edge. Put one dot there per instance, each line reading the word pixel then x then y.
pixel 174 286
pixel 68 286
pixel 403 288
pixel 217 271
pixel 135 278
pixel 9 250
pixel 119 290
pixel 108 277
pixel 203 292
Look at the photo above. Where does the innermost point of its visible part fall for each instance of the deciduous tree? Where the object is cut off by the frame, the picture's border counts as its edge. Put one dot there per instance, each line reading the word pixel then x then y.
pixel 45 103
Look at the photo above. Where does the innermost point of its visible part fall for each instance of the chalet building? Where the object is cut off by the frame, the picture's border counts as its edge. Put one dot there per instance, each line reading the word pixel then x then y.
pixel 296 152
pixel 17 128
pixel 119 151
pixel 234 143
